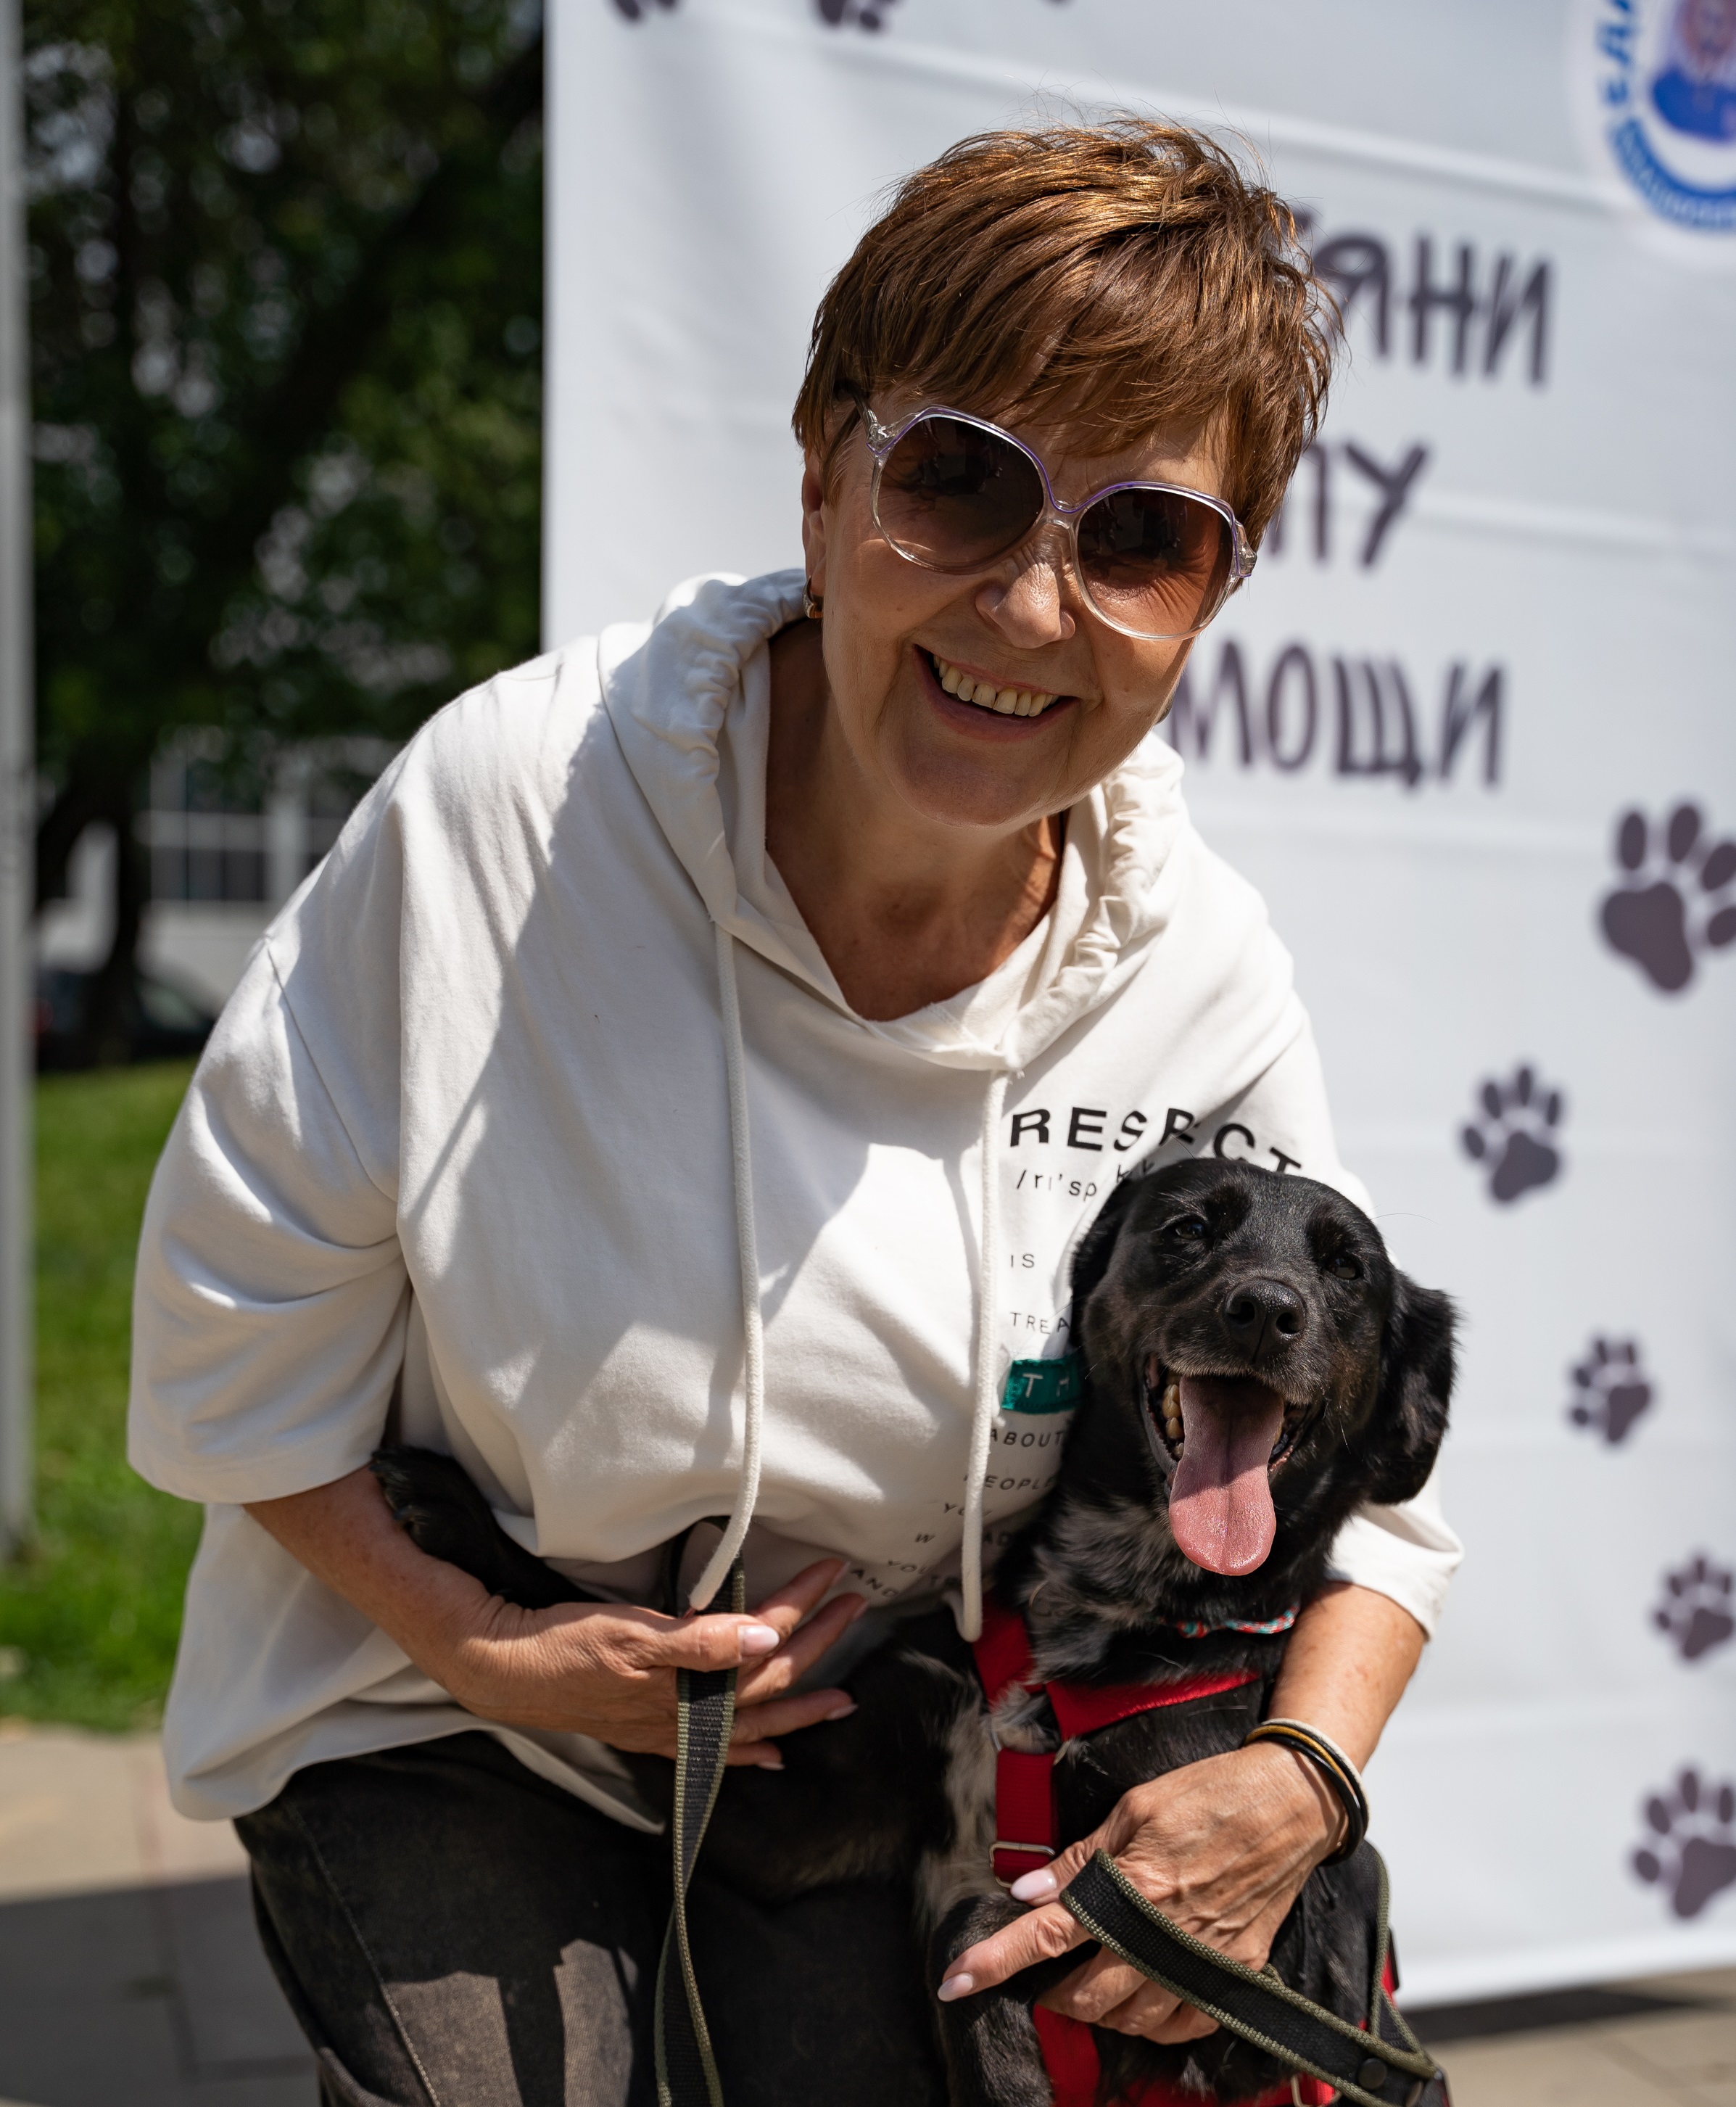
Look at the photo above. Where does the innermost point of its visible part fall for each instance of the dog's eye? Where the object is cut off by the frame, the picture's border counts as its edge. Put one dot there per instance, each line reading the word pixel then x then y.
pixel 1190 1229
pixel 1343 1267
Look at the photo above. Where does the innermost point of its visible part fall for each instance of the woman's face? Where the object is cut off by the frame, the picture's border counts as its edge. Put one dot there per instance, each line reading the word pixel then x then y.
pixel 892 630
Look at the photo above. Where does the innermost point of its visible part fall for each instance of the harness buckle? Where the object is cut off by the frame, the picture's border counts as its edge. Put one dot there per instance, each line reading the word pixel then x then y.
pixel 1039 1854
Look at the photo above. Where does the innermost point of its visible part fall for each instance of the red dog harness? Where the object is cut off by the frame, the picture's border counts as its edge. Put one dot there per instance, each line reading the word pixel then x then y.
pixel 1024 1830
pixel 1026 1834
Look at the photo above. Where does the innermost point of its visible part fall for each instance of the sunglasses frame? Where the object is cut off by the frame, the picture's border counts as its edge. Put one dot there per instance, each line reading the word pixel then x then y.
pixel 882 438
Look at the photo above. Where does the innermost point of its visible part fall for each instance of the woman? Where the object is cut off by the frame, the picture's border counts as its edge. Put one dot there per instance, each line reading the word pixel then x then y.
pixel 678 1094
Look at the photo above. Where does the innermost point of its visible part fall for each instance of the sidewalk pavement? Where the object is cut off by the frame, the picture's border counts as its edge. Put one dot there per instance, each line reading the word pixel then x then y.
pixel 131 1974
pixel 1669 2042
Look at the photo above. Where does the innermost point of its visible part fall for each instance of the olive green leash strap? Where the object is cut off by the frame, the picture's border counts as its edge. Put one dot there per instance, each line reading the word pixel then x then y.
pixel 705 1698
pixel 1383 2065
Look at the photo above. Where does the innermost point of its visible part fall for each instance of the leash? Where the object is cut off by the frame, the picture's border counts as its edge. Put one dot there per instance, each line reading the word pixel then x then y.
pixel 705 1713
pixel 1380 2063
pixel 1258 2009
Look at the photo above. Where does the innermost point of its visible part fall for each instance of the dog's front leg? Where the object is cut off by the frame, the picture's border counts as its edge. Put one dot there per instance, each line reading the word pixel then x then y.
pixel 990 2041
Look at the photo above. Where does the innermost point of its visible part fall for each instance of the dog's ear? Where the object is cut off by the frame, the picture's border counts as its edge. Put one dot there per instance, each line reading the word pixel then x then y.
pixel 1091 1261
pixel 1416 1386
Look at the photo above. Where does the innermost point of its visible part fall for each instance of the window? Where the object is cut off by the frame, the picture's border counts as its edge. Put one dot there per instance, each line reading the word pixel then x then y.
pixel 215 836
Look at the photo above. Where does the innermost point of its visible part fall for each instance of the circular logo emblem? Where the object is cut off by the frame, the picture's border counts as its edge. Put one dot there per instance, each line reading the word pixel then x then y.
pixel 1663 77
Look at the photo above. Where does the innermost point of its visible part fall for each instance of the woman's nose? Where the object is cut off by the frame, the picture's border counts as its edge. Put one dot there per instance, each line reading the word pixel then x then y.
pixel 1030 607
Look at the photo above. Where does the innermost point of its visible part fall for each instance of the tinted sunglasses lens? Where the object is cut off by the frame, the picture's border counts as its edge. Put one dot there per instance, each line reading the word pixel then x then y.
pixel 953 496
pixel 1154 561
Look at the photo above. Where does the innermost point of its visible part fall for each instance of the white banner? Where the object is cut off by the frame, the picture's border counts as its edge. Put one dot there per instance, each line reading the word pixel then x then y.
pixel 1471 729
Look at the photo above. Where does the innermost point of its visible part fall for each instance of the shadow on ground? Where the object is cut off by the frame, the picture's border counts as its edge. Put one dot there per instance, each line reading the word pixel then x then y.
pixel 152 1997
pixel 1483 2021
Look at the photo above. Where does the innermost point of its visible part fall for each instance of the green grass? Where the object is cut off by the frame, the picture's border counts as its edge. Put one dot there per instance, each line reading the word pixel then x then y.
pixel 94 1607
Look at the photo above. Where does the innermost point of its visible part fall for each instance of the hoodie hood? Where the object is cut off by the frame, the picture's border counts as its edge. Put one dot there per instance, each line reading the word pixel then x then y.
pixel 688 696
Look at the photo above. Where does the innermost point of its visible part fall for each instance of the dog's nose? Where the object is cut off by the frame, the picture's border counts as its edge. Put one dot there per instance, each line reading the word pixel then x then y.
pixel 1263 1315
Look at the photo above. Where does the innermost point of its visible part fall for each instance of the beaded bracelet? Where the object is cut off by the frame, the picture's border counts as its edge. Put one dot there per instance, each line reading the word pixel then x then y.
pixel 1333 1765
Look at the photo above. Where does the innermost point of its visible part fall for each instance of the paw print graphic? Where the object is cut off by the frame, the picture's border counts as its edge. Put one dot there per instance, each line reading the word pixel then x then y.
pixel 637 11
pixel 1695 1610
pixel 1515 1139
pixel 863 14
pixel 1692 1851
pixel 1676 896
pixel 1610 1390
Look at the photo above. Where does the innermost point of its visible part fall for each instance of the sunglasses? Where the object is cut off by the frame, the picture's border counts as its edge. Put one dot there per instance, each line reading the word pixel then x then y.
pixel 953 492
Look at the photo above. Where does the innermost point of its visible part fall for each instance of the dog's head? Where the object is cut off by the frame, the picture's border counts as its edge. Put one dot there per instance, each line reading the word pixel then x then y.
pixel 1279 1367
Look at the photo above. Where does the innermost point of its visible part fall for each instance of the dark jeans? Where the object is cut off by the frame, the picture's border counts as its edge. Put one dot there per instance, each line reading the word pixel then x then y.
pixel 451 1931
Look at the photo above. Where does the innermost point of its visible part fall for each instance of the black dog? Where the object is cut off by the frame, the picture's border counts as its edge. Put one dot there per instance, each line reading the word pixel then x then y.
pixel 1229 1316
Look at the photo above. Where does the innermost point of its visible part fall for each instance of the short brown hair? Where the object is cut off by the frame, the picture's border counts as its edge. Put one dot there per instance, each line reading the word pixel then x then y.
pixel 1120 278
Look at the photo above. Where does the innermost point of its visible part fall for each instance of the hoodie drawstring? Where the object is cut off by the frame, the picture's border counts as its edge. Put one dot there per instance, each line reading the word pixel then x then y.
pixel 748 1249
pixel 986 1402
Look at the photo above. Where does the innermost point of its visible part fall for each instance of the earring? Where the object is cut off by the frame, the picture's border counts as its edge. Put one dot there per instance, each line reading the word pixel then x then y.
pixel 811 605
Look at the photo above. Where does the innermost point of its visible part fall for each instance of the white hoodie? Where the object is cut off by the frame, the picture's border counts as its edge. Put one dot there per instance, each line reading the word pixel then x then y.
pixel 539 1100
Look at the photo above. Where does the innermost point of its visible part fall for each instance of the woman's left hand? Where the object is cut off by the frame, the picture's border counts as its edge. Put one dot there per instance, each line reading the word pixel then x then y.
pixel 1221 1847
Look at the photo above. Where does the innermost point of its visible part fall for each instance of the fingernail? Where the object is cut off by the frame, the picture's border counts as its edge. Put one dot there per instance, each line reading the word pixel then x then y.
pixel 1036 1887
pixel 842 1711
pixel 956 1986
pixel 756 1639
pixel 858 1604
pixel 770 1761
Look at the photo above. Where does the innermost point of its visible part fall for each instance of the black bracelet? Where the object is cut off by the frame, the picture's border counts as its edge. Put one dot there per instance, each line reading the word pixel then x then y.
pixel 1333 1765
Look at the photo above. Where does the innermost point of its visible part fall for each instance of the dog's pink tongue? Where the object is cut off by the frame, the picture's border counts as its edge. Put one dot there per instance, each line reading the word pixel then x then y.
pixel 1220 1498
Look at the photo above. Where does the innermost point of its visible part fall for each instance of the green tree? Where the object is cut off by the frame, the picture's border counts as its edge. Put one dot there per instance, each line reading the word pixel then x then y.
pixel 286 271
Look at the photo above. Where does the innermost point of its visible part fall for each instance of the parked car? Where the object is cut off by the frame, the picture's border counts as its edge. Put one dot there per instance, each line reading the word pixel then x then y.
pixel 161 1020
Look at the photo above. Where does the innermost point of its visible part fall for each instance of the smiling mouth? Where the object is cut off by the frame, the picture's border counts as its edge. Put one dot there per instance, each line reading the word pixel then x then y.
pixel 1002 702
pixel 1218 1439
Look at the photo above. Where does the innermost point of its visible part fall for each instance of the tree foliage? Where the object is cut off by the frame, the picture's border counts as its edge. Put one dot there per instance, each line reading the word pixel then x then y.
pixel 285 274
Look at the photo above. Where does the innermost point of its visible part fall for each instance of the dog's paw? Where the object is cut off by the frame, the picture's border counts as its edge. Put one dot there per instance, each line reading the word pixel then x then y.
pixel 435 1502
pixel 1676 896
pixel 1696 1609
pixel 1692 1854
pixel 1515 1137
pixel 1610 1389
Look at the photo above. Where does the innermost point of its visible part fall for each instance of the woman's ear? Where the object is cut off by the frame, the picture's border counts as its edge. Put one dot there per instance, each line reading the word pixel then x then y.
pixel 1416 1387
pixel 1091 1259
pixel 813 522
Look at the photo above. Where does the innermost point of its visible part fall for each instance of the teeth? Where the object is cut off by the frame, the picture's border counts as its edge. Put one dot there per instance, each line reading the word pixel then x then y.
pixel 1171 1408
pixel 1004 702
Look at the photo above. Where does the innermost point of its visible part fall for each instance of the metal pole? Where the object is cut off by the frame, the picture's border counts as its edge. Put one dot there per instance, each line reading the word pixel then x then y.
pixel 16 813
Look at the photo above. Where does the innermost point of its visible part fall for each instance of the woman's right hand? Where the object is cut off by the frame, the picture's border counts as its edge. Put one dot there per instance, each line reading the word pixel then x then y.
pixel 609 1670
pixel 601 1669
